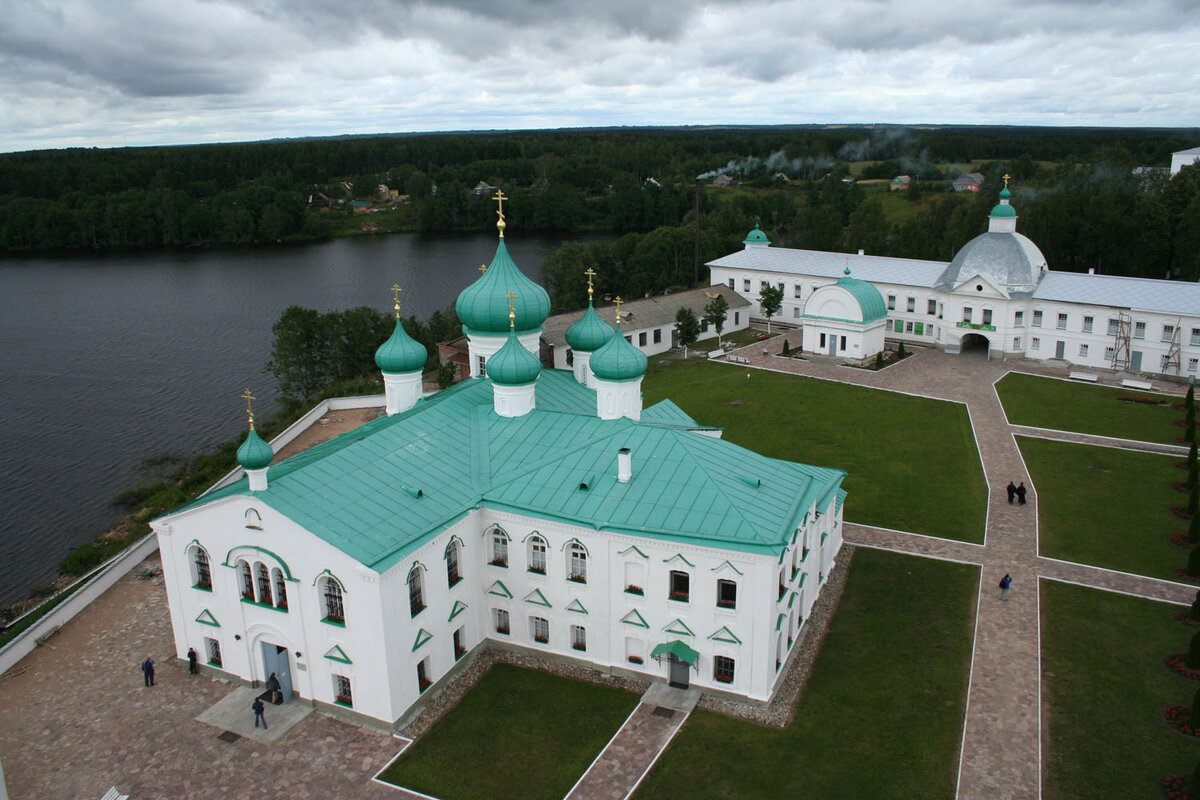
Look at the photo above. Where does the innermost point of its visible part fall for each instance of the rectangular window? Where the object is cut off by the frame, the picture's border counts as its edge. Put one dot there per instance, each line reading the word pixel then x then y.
pixel 1087 324
pixel 423 674
pixel 908 328
pixel 912 304
pixel 1083 351
pixel 919 328
pixel 967 311
pixel 1112 327
pixel 737 318
pixel 212 648
pixel 731 283
pixel 499 549
pixel 1062 322
pixel 539 628
pixel 843 343
pixel 779 286
pixel 1139 330
pixel 658 333
pixel 642 339
pixel 1109 353
pixel 987 316
pixel 726 594
pixel 1035 343
pixel 680 581
pixel 931 308
pixel 1016 343
pixel 341 691
pixel 746 285
pixel 704 326
pixel 1168 333
pixel 629 338
pixel 796 291
pixel 502 621
pixel 537 555
pixel 1037 319
pixel 723 669
pixel 1195 336
pixel 578 638
pixel 796 312
pixel 891 303
pixel 1019 319
pixel 1192 364
pixel 762 285
pixel 459 650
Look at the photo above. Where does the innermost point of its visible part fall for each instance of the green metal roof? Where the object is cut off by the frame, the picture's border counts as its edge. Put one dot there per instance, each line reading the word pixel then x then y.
pixel 400 353
pixel 677 649
pixel 618 360
pixel 589 333
pixel 254 452
pixel 867 296
pixel 483 306
pixel 756 236
pixel 382 490
pixel 1003 210
pixel 513 365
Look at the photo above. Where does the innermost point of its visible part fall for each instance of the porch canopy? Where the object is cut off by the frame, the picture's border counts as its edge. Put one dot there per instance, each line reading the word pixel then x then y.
pixel 679 650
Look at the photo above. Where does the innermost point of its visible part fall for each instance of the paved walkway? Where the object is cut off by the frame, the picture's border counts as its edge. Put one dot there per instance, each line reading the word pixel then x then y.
pixel 1001 756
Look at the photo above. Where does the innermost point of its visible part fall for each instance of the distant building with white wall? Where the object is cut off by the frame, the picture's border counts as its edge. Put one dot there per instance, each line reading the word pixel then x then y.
pixel 1184 158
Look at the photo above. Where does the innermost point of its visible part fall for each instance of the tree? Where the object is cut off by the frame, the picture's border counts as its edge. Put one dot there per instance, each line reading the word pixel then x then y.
pixel 1193 654
pixel 446 374
pixel 1194 614
pixel 1193 467
pixel 1194 532
pixel 771 300
pixel 298 354
pixel 715 313
pixel 1193 565
pixel 687 328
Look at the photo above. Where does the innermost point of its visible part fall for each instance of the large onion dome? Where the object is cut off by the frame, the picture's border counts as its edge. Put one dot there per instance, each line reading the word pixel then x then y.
pixel 483 306
pixel 254 452
pixel 618 360
pixel 401 353
pixel 513 365
pixel 589 333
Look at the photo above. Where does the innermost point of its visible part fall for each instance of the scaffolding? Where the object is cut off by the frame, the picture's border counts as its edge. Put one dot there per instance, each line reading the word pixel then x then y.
pixel 1171 359
pixel 1120 350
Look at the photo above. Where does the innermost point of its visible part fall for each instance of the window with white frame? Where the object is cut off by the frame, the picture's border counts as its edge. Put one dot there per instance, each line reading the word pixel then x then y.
pixel 1083 351
pixel 1037 319
pixel 416 591
pixel 537 555
pixel 723 669
pixel 501 620
pixel 453 575
pixel 745 284
pixel 679 586
pixel 1113 327
pixel 727 592
pixel 658 334
pixel 987 316
pixel 263 579
pixel 1139 330
pixel 1168 333
pixel 1088 323
pixel 1109 352
pixel 642 339
pixel 1019 319
pixel 911 305
pixel 341 691
pixel 908 328
pixel 212 651
pixel 931 307
pixel 1035 343
pixel 331 595
pixel 796 291
pixel 779 286
pixel 499 548
pixel 891 302
pixel 280 589
pixel 762 285
pixel 539 629
pixel 1062 322
pixel 1195 337
pixel 1192 362
pixel 576 563
pixel 796 312
pixel 731 283
pixel 201 570
pixel 578 638
pixel 967 311
pixel 1016 343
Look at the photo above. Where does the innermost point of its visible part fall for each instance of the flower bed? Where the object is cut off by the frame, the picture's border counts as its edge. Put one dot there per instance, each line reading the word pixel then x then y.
pixel 1180 486
pixel 1181 464
pixel 1181 573
pixel 631 589
pixel 1177 662
pixel 1181 512
pixel 499 562
pixel 1186 619
pixel 1180 718
pixel 1149 401
pixel 1181 540
pixel 577 579
pixel 538 570
pixel 635 660
pixel 1176 788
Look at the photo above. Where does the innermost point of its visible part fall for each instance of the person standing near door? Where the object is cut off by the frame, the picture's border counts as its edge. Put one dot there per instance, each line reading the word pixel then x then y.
pixel 258 707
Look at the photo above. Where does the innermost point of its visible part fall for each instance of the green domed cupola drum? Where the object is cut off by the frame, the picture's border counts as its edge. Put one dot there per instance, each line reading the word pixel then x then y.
pixel 514 372
pixel 756 237
pixel 254 455
pixel 400 353
pixel 618 360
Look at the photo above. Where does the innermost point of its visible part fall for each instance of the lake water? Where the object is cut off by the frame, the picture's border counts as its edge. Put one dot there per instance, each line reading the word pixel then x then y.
pixel 106 360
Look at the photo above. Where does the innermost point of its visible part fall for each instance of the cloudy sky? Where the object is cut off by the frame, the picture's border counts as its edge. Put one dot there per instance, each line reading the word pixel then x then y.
pixel 142 72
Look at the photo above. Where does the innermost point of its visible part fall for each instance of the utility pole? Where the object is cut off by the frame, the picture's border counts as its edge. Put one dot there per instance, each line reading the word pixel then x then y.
pixel 696 257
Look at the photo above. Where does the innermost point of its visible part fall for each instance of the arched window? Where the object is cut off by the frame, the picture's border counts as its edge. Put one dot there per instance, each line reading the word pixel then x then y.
pixel 280 589
pixel 264 582
pixel 499 548
pixel 416 591
pixel 247 580
pixel 576 563
pixel 331 594
pixel 453 575
pixel 201 572
pixel 537 555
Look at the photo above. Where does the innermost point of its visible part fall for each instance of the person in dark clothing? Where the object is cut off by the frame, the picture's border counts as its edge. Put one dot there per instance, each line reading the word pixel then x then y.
pixel 1012 492
pixel 1021 494
pixel 258 713
pixel 148 670
pixel 1005 582
pixel 192 670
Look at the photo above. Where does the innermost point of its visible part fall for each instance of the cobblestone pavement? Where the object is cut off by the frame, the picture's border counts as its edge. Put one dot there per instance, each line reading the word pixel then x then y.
pixel 637 745
pixel 1001 754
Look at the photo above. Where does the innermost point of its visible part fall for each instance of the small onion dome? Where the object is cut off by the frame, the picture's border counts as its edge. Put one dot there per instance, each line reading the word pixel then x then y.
pixel 618 360
pixel 483 306
pixel 513 365
pixel 254 452
pixel 589 333
pixel 756 236
pixel 1003 209
pixel 400 353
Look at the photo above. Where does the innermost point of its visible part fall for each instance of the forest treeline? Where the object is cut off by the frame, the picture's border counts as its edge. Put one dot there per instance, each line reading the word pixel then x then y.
pixel 1075 190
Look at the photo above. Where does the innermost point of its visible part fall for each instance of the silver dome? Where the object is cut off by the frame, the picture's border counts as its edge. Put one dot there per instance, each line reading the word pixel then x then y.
pixel 1011 260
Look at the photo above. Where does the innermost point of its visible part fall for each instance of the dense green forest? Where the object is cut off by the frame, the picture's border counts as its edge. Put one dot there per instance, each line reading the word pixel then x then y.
pixel 1075 189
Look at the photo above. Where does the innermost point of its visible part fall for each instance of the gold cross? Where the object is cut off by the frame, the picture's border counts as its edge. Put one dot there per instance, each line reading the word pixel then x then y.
pixel 618 302
pixel 589 272
pixel 249 409
pixel 500 198
pixel 512 312
pixel 1006 177
pixel 396 298
pixel 482 268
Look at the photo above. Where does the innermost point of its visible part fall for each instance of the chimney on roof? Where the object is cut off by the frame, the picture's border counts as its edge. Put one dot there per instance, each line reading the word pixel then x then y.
pixel 624 465
pixel 860 252
pixel 1091 270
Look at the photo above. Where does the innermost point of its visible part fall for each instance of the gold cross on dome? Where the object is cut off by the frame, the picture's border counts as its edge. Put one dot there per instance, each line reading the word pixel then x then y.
pixel 396 298
pixel 500 198
pixel 482 268
pixel 249 408
pixel 617 302
pixel 590 273
pixel 1006 179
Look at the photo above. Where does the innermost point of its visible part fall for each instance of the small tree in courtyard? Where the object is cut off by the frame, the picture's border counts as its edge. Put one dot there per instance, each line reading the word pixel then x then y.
pixel 1193 565
pixel 1194 613
pixel 785 349
pixel 1193 467
pixel 715 313
pixel 1193 655
pixel 687 328
pixel 771 300
pixel 1196 709
pixel 1194 532
pixel 1193 502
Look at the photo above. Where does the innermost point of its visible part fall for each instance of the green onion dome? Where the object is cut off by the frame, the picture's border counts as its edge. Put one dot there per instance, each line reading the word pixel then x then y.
pixel 483 306
pixel 400 353
pixel 254 452
pixel 756 236
pixel 618 360
pixel 589 333
pixel 1003 210
pixel 513 365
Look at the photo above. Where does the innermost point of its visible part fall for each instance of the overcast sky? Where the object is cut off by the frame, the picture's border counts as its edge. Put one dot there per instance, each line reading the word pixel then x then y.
pixel 144 72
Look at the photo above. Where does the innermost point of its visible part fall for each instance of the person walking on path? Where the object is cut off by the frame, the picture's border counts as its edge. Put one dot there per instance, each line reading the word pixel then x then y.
pixel 1012 492
pixel 1021 494
pixel 258 713
pixel 148 670
pixel 1005 582
pixel 192 661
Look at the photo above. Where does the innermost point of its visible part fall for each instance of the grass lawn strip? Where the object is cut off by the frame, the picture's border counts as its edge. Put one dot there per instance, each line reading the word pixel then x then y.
pixel 881 715
pixel 1104 737
pixel 912 461
pixel 518 733
pixel 1083 408
pixel 1106 507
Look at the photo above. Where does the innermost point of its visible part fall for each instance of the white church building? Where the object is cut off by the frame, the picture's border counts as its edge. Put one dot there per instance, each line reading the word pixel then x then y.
pixel 529 507
pixel 998 294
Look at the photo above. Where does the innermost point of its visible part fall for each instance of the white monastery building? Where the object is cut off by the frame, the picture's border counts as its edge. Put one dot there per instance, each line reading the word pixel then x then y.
pixel 527 507
pixel 998 293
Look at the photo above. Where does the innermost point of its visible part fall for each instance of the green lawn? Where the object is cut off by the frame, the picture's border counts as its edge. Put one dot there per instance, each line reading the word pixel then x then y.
pixel 1081 407
pixel 881 715
pixel 518 733
pixel 1104 738
pixel 912 462
pixel 1107 507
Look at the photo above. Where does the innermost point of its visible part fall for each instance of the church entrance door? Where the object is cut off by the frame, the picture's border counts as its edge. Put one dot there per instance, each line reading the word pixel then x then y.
pixel 275 660
pixel 679 673
pixel 1135 362
pixel 1060 349
pixel 833 345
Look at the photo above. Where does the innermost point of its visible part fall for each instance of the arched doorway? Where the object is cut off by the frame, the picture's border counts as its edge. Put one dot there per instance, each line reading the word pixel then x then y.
pixel 975 344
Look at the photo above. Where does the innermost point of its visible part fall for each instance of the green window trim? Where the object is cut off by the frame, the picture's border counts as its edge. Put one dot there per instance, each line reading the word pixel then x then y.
pixel 423 636
pixel 500 590
pixel 537 598
pixel 779 621
pixel 679 628
pixel 577 607
pixel 634 549
pixel 727 563
pixel 337 623
pixel 336 653
pixel 459 607
pixel 681 558
pixel 723 634
pixel 287 572
pixel 201 587
pixel 635 618
pixel 801 583
pixel 260 604
pixel 206 618
pixel 343 704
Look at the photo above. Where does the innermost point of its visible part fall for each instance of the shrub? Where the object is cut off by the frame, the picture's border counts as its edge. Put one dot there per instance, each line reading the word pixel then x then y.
pixel 1194 614
pixel 1195 721
pixel 1193 655
pixel 879 362
pixel 785 350
pixel 1193 565
pixel 1194 781
pixel 900 351
pixel 1193 534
